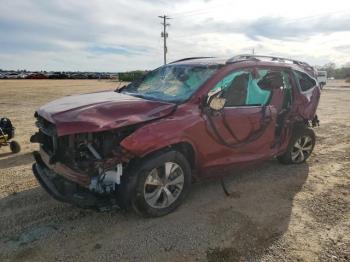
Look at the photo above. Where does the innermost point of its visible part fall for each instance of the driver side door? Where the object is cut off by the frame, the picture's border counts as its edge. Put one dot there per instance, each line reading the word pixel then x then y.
pixel 244 128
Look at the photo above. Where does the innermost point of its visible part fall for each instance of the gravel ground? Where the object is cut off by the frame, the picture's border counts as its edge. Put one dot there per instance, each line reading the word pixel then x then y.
pixel 274 213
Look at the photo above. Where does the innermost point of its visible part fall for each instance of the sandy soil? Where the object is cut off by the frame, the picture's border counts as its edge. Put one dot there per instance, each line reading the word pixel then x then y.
pixel 275 212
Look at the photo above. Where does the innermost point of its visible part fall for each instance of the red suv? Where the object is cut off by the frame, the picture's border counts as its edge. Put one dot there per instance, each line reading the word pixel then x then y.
pixel 142 145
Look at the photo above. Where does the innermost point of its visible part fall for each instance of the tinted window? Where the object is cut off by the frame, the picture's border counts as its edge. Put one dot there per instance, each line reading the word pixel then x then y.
pixel 305 82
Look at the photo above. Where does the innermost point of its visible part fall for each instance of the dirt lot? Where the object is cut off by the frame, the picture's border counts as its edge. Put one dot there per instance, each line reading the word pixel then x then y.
pixel 275 212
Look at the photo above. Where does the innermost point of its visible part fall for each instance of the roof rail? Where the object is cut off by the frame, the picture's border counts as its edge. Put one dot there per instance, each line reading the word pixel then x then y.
pixel 263 57
pixel 191 58
pixel 248 57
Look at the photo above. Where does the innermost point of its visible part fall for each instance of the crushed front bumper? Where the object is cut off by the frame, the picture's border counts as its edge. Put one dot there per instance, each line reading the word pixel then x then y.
pixel 62 169
pixel 67 191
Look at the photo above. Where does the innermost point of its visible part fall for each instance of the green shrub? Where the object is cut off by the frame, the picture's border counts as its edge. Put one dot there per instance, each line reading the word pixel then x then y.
pixel 131 76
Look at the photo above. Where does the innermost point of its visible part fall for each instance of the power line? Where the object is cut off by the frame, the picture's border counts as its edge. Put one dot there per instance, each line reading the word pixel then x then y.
pixel 164 34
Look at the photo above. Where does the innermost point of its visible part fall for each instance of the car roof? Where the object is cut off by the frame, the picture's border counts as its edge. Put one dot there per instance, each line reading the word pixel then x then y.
pixel 249 60
pixel 200 61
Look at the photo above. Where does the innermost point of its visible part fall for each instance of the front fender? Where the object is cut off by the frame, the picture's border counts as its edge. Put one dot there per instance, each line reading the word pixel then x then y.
pixel 158 135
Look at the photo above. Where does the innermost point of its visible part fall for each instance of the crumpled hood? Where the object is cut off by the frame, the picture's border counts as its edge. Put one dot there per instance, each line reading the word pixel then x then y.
pixel 101 111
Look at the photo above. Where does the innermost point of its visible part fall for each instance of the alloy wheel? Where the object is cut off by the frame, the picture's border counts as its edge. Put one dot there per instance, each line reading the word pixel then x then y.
pixel 302 149
pixel 163 185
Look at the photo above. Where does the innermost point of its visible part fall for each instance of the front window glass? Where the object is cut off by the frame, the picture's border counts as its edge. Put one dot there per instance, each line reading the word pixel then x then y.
pixel 240 88
pixel 173 83
pixel 256 95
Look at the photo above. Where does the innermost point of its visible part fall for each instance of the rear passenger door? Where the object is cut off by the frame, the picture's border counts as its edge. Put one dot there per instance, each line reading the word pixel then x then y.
pixel 307 97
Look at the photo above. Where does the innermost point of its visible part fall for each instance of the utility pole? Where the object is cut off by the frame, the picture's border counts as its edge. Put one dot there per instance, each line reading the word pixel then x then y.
pixel 164 34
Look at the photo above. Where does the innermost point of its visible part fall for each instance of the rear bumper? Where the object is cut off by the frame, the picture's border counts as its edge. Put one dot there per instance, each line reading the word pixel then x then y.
pixel 67 191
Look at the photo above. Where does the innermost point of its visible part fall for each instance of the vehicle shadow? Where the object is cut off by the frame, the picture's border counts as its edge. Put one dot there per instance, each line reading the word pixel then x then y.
pixel 257 212
pixel 5 154
pixel 8 160
pixel 209 225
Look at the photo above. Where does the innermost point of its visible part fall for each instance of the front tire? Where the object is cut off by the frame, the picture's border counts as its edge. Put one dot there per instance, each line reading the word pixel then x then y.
pixel 163 182
pixel 300 147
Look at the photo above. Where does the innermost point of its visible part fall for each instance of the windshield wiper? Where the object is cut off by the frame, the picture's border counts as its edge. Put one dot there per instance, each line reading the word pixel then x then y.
pixel 134 94
pixel 120 89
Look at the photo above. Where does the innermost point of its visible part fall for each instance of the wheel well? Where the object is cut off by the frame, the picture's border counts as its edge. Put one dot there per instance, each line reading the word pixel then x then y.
pixel 300 125
pixel 187 150
pixel 184 148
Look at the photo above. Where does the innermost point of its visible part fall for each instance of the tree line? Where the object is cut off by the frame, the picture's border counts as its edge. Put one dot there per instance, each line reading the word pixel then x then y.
pixel 131 76
pixel 336 72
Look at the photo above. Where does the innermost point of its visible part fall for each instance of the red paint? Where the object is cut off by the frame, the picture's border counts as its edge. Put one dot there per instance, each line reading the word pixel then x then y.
pixel 65 171
pixel 186 123
pixel 101 111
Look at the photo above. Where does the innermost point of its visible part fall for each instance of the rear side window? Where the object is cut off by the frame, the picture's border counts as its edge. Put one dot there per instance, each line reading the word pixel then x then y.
pixel 305 81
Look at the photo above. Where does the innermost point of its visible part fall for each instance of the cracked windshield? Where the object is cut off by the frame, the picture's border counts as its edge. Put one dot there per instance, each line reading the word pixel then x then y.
pixel 173 83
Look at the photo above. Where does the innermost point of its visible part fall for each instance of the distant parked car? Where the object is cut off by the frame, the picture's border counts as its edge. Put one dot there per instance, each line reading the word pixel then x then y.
pixel 57 75
pixel 322 78
pixel 141 145
pixel 78 76
pixel 36 76
pixel 22 76
pixel 92 76
pixel 12 76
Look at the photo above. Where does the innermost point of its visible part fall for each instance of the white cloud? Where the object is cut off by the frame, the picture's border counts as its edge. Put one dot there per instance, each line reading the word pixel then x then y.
pixel 122 35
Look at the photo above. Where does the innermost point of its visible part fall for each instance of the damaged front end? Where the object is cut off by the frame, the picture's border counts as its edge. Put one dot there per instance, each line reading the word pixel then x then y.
pixel 83 169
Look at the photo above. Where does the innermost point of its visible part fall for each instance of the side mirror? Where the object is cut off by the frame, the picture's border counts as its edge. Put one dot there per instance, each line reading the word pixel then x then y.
pixel 217 103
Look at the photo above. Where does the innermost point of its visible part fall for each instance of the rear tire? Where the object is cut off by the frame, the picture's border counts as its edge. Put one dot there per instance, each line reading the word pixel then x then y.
pixel 300 147
pixel 15 147
pixel 163 181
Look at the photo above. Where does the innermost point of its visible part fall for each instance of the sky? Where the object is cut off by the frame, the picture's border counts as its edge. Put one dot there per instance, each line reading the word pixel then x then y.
pixel 121 35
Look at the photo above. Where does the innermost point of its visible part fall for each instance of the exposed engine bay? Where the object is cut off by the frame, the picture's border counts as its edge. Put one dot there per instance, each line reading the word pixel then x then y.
pixel 98 156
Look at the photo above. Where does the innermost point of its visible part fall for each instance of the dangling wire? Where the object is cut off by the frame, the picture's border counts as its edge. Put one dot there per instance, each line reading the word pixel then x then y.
pixel 224 188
